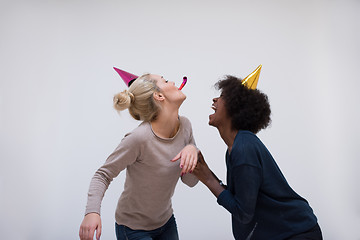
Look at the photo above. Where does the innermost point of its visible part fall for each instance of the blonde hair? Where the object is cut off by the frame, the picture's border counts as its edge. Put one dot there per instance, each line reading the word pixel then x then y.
pixel 139 99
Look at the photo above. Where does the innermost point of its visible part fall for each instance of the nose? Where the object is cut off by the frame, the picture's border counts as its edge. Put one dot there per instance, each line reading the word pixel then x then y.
pixel 215 99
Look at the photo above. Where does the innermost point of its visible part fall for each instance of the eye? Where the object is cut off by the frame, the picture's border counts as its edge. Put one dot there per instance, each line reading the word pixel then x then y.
pixel 166 81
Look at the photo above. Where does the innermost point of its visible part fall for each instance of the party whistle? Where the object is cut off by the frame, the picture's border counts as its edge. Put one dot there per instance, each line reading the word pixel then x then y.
pixel 183 83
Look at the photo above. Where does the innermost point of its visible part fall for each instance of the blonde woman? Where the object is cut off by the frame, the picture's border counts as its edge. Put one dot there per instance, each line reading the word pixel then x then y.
pixel 150 155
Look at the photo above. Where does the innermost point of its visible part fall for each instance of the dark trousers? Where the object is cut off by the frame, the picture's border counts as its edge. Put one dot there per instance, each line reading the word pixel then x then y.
pixel 166 232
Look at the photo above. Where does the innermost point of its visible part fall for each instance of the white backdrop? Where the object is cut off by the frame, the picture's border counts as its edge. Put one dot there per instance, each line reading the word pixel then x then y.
pixel 57 125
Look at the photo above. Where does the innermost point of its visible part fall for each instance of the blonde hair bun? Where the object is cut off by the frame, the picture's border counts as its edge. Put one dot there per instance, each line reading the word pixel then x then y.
pixel 142 107
pixel 123 100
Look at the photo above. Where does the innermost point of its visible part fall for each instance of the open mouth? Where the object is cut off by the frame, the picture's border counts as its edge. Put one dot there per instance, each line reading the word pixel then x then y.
pixel 213 108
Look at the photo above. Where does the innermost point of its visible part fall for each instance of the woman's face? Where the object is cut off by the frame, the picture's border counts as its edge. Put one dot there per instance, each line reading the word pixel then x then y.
pixel 170 92
pixel 220 116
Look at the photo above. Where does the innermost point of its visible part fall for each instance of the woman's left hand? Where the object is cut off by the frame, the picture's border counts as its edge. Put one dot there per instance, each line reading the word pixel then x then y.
pixel 189 157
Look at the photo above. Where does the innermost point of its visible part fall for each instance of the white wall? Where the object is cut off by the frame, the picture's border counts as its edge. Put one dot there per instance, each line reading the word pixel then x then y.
pixel 57 125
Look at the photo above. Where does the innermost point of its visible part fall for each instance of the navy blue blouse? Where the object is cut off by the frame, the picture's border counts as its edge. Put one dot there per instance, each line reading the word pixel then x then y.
pixel 261 202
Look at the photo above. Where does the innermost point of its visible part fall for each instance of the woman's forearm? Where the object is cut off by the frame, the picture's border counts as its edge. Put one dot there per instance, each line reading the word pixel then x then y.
pixel 214 185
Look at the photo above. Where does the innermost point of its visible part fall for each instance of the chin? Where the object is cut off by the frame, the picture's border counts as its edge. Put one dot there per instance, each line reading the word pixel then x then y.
pixel 210 122
pixel 182 99
pixel 182 96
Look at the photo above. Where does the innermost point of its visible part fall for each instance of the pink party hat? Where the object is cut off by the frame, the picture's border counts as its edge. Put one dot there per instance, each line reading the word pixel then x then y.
pixel 128 78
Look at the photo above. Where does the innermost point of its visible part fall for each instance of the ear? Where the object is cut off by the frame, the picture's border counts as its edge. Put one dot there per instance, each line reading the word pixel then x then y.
pixel 158 96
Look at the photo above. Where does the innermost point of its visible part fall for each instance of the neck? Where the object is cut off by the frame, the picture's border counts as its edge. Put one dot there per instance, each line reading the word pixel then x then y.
pixel 228 135
pixel 166 124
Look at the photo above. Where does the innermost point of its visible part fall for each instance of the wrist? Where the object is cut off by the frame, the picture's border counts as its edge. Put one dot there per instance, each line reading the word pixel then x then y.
pixel 215 186
pixel 211 182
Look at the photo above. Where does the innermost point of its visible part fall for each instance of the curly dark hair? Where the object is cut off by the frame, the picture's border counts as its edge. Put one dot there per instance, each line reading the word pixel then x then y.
pixel 249 109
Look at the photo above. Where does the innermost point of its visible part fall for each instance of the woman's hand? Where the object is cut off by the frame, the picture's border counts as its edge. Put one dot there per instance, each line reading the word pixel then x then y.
pixel 188 156
pixel 91 222
pixel 207 177
pixel 202 171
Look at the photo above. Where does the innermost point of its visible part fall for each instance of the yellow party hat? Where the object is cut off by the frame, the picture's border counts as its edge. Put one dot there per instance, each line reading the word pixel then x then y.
pixel 252 80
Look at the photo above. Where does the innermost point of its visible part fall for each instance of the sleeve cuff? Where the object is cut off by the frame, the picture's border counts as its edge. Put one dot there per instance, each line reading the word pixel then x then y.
pixel 222 198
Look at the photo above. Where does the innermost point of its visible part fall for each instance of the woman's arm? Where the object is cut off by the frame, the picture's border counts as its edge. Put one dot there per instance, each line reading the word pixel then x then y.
pixel 189 154
pixel 125 154
pixel 244 180
pixel 188 158
pixel 207 177
pixel 240 201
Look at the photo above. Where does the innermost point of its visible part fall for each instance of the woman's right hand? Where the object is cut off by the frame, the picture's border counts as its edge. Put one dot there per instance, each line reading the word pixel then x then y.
pixel 202 171
pixel 206 176
pixel 91 222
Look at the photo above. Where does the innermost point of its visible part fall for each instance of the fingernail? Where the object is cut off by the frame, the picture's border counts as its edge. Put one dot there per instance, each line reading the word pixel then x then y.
pixel 181 166
pixel 190 171
pixel 182 174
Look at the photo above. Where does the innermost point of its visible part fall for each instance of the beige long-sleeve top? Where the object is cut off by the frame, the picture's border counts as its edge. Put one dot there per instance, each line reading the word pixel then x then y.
pixel 150 180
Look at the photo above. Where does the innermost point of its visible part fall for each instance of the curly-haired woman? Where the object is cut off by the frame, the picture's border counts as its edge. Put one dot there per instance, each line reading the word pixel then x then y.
pixel 261 202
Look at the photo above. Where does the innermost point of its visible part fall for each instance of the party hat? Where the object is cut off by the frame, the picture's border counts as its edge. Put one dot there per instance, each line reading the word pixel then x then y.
pixel 252 80
pixel 128 78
